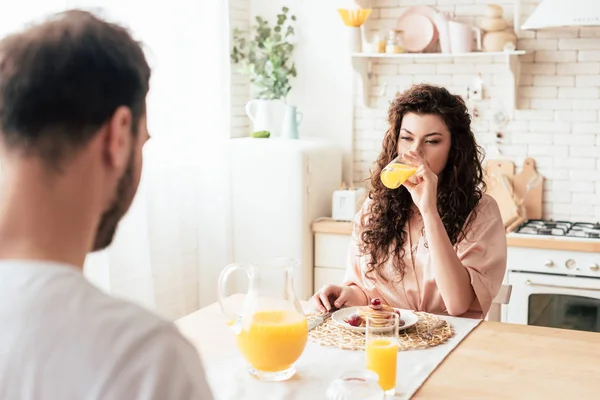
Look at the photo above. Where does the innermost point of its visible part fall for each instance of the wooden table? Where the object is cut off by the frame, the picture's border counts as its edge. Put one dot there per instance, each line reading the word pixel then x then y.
pixel 496 361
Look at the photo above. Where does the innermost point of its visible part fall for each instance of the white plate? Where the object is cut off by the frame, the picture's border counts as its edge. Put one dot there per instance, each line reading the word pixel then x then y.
pixel 339 316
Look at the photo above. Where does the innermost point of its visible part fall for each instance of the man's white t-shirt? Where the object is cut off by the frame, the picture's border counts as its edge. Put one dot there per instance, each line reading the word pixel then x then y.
pixel 62 338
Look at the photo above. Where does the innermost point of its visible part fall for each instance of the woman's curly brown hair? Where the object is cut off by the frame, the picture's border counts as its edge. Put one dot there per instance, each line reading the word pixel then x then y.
pixel 460 184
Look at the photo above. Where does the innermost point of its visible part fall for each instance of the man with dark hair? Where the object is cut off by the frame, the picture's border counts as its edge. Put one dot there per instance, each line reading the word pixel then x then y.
pixel 72 128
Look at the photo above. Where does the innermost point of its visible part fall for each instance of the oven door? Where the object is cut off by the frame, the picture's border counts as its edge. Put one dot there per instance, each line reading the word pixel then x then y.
pixel 555 301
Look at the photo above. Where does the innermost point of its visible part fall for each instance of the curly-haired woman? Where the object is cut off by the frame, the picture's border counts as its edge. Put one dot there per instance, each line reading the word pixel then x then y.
pixel 437 243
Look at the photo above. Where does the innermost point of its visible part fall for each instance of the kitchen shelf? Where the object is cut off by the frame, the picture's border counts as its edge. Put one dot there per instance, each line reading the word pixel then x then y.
pixel 363 63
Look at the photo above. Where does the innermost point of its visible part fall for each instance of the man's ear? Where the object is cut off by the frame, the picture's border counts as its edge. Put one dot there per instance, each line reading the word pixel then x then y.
pixel 118 138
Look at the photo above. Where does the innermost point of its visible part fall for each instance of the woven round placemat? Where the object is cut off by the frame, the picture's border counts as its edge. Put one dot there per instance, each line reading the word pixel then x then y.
pixel 429 331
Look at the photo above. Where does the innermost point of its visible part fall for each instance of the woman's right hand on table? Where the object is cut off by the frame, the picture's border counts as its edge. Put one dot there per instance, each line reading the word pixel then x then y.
pixel 331 296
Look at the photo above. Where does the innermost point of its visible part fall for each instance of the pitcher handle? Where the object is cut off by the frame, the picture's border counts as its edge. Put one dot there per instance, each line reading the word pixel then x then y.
pixel 299 117
pixel 249 110
pixel 231 316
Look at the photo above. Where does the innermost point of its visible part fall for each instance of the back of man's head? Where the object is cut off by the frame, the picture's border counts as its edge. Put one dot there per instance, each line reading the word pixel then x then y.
pixel 61 80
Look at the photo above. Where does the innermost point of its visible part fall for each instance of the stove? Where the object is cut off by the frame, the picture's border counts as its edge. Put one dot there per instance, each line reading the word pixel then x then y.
pixel 538 227
pixel 556 282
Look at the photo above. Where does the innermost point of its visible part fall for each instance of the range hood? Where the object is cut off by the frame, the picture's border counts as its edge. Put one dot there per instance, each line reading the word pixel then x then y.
pixel 564 13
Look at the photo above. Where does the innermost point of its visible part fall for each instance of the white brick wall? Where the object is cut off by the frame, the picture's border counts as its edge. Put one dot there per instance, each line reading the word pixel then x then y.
pixel 240 86
pixel 557 122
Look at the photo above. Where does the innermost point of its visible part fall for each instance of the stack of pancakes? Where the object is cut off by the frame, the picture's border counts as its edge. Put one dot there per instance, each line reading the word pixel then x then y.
pixel 379 318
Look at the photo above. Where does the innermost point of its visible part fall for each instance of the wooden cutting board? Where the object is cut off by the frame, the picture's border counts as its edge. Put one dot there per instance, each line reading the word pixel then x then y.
pixel 533 198
pixel 499 175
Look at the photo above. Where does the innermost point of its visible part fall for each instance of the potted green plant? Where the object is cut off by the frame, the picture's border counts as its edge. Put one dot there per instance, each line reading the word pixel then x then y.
pixel 265 55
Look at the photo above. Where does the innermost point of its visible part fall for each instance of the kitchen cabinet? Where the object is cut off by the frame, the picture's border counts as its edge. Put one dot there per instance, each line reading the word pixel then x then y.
pixel 332 240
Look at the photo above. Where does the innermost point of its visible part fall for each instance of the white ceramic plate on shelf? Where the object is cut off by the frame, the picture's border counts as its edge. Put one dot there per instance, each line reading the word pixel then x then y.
pixel 339 317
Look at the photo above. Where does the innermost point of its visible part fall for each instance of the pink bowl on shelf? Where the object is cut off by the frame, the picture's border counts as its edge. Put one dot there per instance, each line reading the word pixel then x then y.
pixel 418 28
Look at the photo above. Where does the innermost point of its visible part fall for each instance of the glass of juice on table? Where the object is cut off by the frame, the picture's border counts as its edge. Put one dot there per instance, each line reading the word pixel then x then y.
pixel 381 348
pixel 270 327
pixel 396 173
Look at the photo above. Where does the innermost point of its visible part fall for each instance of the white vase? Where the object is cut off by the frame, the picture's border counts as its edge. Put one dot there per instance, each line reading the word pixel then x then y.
pixel 266 115
pixel 355 39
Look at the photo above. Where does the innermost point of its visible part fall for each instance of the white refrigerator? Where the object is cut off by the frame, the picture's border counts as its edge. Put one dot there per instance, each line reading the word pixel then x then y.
pixel 279 187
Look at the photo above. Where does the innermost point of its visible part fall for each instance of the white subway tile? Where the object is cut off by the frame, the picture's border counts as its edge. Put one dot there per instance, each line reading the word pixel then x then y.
pixel 550 80
pixel 582 163
pixel 557 33
pixel 551 104
pixel 502 80
pixel 534 115
pixel 518 126
pixel 417 69
pixel 578 93
pixel 566 56
pixel 545 127
pixel 536 150
pixel 587 104
pixel 565 138
pixel 591 31
pixel 556 196
pixel 513 150
pixel 560 186
pixel 583 116
pixel 578 68
pixel 538 44
pixel 587 80
pixel 578 43
pixel 531 138
pixel 584 174
pixel 588 55
pixel 582 213
pixel 584 151
pixel 582 187
pixel 451 69
pixel 586 127
pixel 585 199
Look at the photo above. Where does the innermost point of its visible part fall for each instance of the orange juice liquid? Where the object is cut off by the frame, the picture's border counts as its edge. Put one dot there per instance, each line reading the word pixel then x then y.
pixel 396 174
pixel 274 340
pixel 381 359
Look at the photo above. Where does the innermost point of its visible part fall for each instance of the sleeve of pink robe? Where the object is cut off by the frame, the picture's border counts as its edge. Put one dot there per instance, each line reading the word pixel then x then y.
pixel 355 277
pixel 483 253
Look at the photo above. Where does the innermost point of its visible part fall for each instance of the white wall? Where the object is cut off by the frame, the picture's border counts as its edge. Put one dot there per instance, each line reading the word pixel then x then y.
pixel 323 87
pixel 557 122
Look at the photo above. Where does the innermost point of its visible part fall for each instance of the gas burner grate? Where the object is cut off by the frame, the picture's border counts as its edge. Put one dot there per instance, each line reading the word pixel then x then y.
pixel 540 227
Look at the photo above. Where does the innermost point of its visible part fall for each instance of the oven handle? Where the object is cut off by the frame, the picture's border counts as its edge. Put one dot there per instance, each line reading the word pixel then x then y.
pixel 528 282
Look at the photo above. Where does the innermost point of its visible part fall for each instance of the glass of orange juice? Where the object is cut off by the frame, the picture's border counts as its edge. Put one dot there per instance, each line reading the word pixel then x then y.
pixel 270 327
pixel 381 348
pixel 396 173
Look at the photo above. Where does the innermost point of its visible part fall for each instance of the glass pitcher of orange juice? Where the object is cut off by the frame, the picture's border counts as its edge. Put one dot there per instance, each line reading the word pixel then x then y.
pixel 396 173
pixel 271 329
